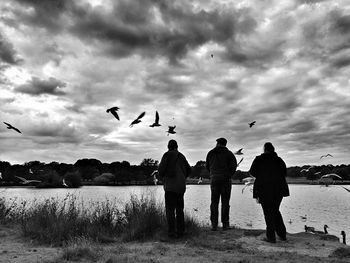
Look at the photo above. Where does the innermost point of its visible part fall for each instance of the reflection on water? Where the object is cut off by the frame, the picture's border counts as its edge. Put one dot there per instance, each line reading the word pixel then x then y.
pixel 321 205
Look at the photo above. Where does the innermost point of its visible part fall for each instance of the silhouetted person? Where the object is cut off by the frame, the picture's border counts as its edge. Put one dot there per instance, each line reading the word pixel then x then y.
pixel 270 187
pixel 221 164
pixel 174 169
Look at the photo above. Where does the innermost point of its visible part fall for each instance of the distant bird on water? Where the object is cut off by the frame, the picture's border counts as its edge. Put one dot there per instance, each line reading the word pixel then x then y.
pixel 25 181
pixel 251 124
pixel 304 218
pixel 138 119
pixel 9 126
pixel 171 129
pixel 156 121
pixel 239 152
pixel 326 155
pixel 114 110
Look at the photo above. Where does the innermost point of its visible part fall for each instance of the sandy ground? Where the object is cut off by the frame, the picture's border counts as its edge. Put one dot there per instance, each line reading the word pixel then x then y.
pixel 236 245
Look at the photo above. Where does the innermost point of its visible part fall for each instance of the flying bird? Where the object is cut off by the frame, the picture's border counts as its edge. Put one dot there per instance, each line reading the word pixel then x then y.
pixel 251 124
pixel 331 176
pixel 114 110
pixel 240 162
pixel 304 218
pixel 239 152
pixel 25 181
pixel 156 121
pixel 326 155
pixel 306 170
pixel 64 183
pixel 212 55
pixel 9 126
pixel 1 176
pixel 199 180
pixel 346 189
pixel 154 175
pixel 248 181
pixel 138 119
pixel 171 129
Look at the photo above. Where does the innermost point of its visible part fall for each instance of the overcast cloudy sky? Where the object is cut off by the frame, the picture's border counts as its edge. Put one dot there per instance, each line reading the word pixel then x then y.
pixel 208 67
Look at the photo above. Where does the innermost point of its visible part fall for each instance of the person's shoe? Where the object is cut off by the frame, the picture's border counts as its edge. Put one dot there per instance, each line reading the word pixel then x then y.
pixel 283 238
pixel 269 240
pixel 226 227
pixel 214 228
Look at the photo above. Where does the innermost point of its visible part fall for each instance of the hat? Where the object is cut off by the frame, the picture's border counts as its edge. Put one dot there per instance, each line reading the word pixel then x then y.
pixel 222 141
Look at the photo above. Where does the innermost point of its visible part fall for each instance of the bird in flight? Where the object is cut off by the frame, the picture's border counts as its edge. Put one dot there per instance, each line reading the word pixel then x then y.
pixel 199 180
pixel 331 176
pixel 9 126
pixel 171 129
pixel 251 124
pixel 64 183
pixel 326 155
pixel 25 181
pixel 239 152
pixel 114 110
pixel 138 119
pixel 306 170
pixel 156 121
pixel 346 189
pixel 248 181
pixel 240 162
pixel 212 55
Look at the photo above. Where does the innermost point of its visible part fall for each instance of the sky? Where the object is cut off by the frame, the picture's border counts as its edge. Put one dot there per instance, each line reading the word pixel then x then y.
pixel 208 67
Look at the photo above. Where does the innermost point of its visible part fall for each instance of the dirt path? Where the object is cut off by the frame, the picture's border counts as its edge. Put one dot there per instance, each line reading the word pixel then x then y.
pixel 235 245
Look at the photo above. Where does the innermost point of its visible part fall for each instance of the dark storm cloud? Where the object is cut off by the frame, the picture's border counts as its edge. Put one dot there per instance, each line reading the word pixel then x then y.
pixel 44 13
pixel 132 27
pixel 38 86
pixel 7 52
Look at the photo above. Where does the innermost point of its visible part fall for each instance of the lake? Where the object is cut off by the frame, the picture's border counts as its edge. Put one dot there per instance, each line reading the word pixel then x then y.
pixel 321 205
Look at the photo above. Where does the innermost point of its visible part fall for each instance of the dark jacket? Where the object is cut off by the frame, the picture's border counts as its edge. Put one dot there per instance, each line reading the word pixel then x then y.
pixel 270 173
pixel 221 164
pixel 174 169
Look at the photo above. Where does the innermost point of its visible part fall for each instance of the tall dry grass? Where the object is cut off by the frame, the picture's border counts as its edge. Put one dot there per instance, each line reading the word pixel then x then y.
pixel 56 221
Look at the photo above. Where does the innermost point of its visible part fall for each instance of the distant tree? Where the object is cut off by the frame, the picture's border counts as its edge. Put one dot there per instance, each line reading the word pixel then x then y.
pixel 149 162
pixel 73 179
pixel 88 162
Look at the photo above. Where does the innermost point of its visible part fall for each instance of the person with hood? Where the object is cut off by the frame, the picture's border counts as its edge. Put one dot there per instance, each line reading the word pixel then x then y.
pixel 221 164
pixel 269 188
pixel 174 169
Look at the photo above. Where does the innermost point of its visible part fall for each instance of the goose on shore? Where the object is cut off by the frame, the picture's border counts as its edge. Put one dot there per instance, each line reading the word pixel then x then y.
pixel 344 236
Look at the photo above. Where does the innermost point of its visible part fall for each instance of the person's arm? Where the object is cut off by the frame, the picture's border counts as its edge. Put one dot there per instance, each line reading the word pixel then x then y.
pixel 188 168
pixel 207 162
pixel 254 172
pixel 162 165
pixel 232 163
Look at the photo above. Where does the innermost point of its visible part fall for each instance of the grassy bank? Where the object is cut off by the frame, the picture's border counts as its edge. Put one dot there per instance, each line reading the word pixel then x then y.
pixel 56 222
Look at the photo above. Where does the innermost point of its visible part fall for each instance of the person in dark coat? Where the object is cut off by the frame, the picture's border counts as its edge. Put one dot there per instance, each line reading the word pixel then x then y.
pixel 174 169
pixel 221 164
pixel 269 188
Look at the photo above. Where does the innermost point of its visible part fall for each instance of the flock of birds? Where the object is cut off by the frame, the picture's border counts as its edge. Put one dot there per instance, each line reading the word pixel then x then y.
pixel 114 112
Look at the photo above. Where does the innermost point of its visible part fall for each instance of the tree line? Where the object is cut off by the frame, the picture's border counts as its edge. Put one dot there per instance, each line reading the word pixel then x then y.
pixel 93 171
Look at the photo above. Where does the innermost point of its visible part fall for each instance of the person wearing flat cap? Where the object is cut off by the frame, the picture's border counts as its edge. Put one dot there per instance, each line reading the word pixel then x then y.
pixel 221 164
